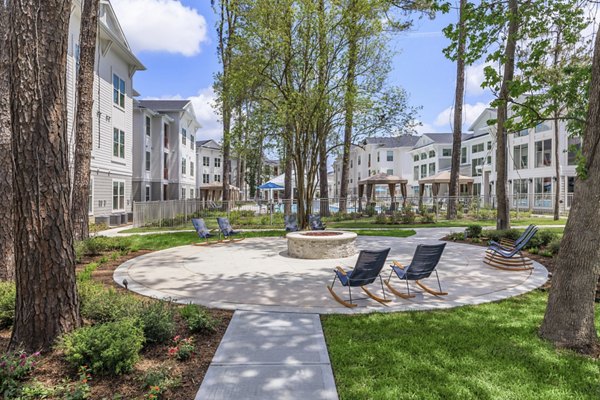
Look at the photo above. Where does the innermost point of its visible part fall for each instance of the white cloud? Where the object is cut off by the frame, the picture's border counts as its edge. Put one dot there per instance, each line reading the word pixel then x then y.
pixel 470 114
pixel 474 77
pixel 425 128
pixel 161 25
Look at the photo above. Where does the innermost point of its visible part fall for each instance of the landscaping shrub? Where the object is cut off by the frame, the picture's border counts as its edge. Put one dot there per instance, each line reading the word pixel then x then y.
pixel 159 379
pixel 554 246
pixel 101 244
pixel 408 215
pixel 496 235
pixel 8 294
pixel 380 219
pixel 157 320
pixel 456 236
pixel 473 231
pixel 197 319
pixel 427 218
pixel 546 237
pixel 182 349
pixel 370 210
pixel 110 348
pixel 14 368
pixel 104 305
pixel 485 214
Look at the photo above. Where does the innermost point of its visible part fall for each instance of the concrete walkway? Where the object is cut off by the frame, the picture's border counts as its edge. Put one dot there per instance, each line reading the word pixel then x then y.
pixel 274 356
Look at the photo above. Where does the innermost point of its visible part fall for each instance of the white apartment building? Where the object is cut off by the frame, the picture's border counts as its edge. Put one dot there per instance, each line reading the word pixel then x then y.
pixel 165 162
pixel 209 167
pixel 111 164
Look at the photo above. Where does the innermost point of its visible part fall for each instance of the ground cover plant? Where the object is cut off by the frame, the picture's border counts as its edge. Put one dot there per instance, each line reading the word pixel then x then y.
pixel 474 352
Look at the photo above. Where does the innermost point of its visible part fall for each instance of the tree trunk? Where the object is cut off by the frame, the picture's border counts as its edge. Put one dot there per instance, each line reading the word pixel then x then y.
pixel 7 255
pixel 323 184
pixel 569 318
pixel 503 212
pixel 322 131
pixel 458 109
pixel 83 125
pixel 288 194
pixel 557 192
pixel 46 302
pixel 349 99
pixel 226 153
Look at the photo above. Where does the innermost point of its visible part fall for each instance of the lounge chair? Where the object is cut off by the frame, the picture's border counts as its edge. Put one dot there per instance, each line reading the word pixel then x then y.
pixel 366 271
pixel 510 259
pixel 315 223
pixel 509 244
pixel 202 231
pixel 291 223
pixel 423 264
pixel 226 230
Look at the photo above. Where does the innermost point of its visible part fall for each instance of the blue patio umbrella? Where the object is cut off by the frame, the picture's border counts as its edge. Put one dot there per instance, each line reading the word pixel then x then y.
pixel 270 186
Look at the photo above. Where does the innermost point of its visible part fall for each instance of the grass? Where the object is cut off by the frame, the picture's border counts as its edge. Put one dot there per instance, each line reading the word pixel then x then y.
pixel 489 351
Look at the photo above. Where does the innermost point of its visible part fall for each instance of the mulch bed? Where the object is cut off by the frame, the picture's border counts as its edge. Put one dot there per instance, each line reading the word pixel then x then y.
pixel 52 369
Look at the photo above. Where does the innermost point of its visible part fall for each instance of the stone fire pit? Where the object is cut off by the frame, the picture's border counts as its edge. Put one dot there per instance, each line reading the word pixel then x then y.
pixel 316 245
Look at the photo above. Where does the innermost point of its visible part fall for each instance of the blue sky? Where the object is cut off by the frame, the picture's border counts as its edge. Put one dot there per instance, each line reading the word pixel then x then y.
pixel 176 41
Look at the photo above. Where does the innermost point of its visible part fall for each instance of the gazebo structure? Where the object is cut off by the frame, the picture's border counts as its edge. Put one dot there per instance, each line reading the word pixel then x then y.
pixel 442 178
pixel 381 179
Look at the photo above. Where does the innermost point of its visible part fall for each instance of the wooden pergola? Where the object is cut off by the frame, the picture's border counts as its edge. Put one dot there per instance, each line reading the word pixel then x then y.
pixel 443 177
pixel 381 179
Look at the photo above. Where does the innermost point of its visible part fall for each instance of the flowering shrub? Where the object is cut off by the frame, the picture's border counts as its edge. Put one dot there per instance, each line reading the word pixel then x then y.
pixel 154 393
pixel 81 389
pixel 183 349
pixel 15 367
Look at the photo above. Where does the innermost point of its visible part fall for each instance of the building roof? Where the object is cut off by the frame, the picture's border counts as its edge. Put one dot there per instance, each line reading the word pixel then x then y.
pixel 165 105
pixel 396 141
pixel 209 143
pixel 441 138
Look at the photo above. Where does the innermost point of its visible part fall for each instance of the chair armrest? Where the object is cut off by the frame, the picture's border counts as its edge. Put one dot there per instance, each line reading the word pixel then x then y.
pixel 398 264
pixel 505 241
pixel 341 270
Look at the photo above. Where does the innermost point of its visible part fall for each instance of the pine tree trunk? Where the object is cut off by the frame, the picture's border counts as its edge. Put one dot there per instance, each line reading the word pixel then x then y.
pixel 323 184
pixel 569 318
pixel 503 212
pixel 458 109
pixel 7 256
pixel 322 131
pixel 288 194
pixel 46 303
pixel 557 169
pixel 83 124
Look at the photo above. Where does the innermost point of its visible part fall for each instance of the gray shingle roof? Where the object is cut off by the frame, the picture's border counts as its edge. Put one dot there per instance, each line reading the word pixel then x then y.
pixel 209 144
pixel 391 142
pixel 443 138
pixel 164 105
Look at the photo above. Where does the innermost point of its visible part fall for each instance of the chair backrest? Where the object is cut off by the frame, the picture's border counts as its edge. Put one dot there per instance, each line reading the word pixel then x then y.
pixel 368 266
pixel 224 226
pixel 525 241
pixel 315 222
pixel 200 227
pixel 291 223
pixel 426 258
pixel 525 234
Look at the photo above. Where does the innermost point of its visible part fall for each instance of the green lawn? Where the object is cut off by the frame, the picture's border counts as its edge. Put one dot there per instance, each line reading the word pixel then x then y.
pixel 489 351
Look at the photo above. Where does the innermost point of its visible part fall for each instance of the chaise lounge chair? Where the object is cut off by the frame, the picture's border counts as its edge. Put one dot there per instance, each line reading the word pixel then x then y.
pixel 367 269
pixel 291 223
pixel 202 231
pixel 510 259
pixel 227 231
pixel 509 244
pixel 423 264
pixel 315 223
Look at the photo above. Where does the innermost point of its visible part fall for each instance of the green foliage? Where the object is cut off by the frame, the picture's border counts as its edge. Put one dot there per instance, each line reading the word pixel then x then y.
pixel 157 320
pixel 182 349
pixel 160 377
pixel 8 293
pixel 554 246
pixel 456 236
pixel 473 231
pixel 542 238
pixel 381 219
pixel 496 235
pixel 15 368
pixel 101 244
pixel 110 348
pixel 99 304
pixel 427 218
pixel 370 210
pixel 408 215
pixel 197 319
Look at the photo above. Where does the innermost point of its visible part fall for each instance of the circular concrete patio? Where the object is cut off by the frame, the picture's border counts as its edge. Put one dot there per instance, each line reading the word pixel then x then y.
pixel 256 274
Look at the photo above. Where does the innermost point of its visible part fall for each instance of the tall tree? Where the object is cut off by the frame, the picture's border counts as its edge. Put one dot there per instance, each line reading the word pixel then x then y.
pixel 569 319
pixel 46 301
pixel 458 110
pixel 7 258
pixel 322 123
pixel 83 124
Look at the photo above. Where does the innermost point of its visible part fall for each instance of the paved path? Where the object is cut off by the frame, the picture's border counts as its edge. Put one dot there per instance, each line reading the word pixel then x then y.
pixel 270 356
pixel 256 274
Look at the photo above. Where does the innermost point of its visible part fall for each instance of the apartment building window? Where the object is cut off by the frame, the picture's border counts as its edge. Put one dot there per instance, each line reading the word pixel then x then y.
pixel 416 174
pixel 147 161
pixel 476 148
pixel 192 141
pixel 147 193
pixel 217 178
pixel 542 127
pixel 183 166
pixel 463 155
pixel 431 168
pixel 520 155
pixel 118 143
pixel 191 168
pixel 378 159
pixel 477 189
pixel 183 136
pixel 424 170
pixel 389 172
pixel 543 153
pixel 571 184
pixel 489 160
pixel 543 191
pixel 416 157
pixel 358 160
pixel 521 133
pixel 118 196
pixel 205 178
pixel 118 91
pixel 359 176
pixel 206 161
pixel 351 164
pixel 431 153
pixel 390 155
pixel 148 125
pixel 182 193
pixel 574 149
pixel 475 163
pixel 369 162
pixel 191 193
pixel 217 162
pixel 446 152
pixel 91 197
pixel 489 145
pixel 423 156
pixel 520 190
